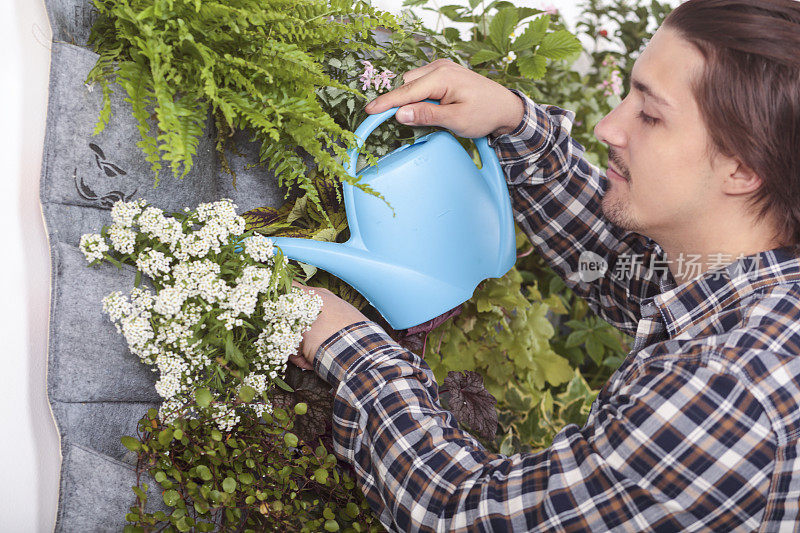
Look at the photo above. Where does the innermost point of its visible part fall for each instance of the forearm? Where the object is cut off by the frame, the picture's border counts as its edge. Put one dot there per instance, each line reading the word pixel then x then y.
pixel 628 466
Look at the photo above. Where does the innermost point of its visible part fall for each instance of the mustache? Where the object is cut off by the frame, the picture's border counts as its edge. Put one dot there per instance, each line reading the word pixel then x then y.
pixel 614 157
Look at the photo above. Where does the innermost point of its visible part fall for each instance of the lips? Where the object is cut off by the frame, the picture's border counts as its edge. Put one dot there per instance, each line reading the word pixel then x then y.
pixel 614 174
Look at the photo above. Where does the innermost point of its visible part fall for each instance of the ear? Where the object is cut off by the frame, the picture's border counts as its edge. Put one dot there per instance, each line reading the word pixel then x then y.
pixel 741 180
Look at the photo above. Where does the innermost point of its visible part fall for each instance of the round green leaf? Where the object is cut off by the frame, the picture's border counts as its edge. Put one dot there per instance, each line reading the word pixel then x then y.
pixel 247 393
pixel 352 510
pixel 290 439
pixel 331 525
pixel 301 408
pixel 203 397
pixel 204 473
pixel 321 475
pixel 171 497
pixel 183 524
pixel 165 437
pixel 229 485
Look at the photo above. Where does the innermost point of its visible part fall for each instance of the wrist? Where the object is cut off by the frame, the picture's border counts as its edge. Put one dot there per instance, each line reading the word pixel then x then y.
pixel 514 113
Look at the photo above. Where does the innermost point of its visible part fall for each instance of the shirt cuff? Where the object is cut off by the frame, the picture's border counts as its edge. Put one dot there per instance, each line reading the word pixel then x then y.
pixel 347 346
pixel 529 133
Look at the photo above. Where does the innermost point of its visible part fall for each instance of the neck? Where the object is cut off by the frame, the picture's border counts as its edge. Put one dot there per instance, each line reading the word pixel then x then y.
pixel 692 251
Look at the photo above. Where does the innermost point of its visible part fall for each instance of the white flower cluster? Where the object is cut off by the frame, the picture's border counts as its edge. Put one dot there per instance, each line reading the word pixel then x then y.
pixel 122 239
pixel 153 263
pixel 289 317
pixel 93 245
pixel 165 329
pixel 258 247
pixel 225 416
pixel 220 222
pixel 154 224
pixel 123 213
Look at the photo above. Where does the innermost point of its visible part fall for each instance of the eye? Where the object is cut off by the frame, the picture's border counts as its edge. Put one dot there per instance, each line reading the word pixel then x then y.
pixel 647 119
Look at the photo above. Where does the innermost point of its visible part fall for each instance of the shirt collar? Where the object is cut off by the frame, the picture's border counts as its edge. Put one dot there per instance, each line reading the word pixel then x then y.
pixel 715 290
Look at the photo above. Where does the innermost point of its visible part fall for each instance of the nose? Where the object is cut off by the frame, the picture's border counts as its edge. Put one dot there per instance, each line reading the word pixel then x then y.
pixel 611 129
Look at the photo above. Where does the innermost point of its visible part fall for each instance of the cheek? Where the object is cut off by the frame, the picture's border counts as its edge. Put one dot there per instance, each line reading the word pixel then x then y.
pixel 668 181
pixel 664 172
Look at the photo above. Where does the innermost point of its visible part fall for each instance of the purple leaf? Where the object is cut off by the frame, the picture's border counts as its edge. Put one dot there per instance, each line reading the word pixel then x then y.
pixel 471 403
pixel 434 323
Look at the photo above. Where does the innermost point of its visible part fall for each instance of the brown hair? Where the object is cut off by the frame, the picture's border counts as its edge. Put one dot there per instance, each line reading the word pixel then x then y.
pixel 749 95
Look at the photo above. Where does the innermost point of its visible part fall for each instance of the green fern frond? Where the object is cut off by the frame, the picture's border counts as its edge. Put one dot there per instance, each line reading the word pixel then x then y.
pixel 256 64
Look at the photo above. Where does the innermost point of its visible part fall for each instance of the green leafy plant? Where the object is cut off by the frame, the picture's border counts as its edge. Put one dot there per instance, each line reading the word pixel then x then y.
pixel 257 477
pixel 253 65
pixel 621 29
pixel 219 327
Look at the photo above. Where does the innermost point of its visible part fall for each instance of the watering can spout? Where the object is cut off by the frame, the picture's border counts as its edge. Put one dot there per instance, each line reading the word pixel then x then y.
pixel 387 284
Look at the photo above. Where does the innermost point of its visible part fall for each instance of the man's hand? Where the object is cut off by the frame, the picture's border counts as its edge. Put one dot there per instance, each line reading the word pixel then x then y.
pixel 471 105
pixel 335 315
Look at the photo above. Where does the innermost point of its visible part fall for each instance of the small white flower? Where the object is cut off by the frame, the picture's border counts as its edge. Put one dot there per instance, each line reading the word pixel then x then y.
pixel 259 247
pixel 123 213
pixel 122 239
pixel 153 263
pixel 93 245
pixel 117 306
pixel 509 58
pixel 169 301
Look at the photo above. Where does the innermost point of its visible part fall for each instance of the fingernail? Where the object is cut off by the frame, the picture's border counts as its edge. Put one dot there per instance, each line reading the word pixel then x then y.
pixel 370 105
pixel 405 115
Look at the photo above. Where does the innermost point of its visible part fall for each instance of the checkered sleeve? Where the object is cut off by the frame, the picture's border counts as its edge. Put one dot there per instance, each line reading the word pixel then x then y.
pixel 681 446
pixel 556 198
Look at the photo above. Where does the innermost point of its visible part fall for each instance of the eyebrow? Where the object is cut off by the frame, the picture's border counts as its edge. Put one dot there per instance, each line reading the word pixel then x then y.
pixel 641 87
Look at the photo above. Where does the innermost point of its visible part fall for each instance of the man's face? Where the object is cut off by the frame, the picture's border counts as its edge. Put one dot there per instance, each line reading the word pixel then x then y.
pixel 669 181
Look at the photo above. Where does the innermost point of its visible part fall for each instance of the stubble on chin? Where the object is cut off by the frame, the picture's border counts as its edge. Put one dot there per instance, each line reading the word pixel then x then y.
pixel 617 211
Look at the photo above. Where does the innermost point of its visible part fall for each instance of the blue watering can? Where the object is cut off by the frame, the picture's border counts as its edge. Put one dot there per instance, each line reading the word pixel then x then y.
pixel 453 227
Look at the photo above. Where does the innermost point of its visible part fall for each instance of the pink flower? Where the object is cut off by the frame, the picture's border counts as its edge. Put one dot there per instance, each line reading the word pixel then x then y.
pixel 550 9
pixel 371 77
pixel 366 76
pixel 614 85
pixel 382 80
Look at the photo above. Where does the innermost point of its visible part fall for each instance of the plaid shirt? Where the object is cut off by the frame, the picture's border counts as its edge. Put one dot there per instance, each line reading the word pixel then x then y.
pixel 697 430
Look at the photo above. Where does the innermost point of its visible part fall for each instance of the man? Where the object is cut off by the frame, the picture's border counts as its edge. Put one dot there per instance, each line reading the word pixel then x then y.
pixel 698 429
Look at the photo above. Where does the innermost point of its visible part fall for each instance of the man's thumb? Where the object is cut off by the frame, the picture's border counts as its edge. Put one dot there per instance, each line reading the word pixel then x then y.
pixel 420 114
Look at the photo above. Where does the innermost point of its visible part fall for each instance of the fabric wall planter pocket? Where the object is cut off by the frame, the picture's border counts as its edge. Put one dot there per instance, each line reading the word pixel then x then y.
pixel 97 389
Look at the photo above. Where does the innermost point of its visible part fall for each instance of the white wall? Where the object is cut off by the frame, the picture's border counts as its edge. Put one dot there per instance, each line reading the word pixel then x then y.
pixel 29 450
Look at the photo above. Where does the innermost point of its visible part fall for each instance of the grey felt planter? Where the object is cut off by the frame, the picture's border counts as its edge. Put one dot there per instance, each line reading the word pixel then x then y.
pixel 97 389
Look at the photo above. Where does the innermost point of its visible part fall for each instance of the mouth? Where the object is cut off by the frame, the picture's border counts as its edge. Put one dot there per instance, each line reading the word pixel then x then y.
pixel 615 175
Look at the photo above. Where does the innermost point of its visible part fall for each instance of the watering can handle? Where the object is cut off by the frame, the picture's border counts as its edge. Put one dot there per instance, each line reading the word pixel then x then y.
pixel 367 127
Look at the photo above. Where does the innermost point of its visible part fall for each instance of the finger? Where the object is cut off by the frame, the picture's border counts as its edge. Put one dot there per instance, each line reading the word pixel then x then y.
pixel 428 86
pixel 428 114
pixel 300 361
pixel 415 73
